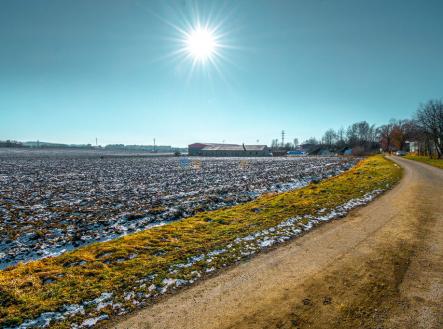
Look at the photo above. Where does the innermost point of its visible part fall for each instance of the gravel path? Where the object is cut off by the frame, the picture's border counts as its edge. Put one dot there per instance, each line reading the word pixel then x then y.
pixel 380 267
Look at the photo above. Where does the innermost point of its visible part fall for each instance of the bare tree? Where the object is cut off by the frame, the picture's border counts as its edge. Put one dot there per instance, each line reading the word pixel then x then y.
pixel 330 137
pixel 429 117
pixel 312 141
pixel 361 134
pixel 341 137
pixel 274 144
pixel 385 136
pixel 351 135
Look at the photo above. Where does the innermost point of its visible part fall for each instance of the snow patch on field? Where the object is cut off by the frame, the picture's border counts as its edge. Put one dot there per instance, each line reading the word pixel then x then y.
pixel 54 205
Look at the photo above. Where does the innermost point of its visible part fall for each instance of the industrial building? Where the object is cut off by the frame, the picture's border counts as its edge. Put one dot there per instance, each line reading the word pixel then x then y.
pixel 228 150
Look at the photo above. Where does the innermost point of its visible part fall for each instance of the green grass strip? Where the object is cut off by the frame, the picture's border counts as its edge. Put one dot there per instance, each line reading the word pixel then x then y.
pixel 433 162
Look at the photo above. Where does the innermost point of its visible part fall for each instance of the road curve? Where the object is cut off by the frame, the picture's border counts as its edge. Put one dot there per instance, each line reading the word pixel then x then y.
pixel 379 267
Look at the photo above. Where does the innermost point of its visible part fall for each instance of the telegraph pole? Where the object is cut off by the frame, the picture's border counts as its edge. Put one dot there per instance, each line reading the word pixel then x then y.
pixel 154 144
pixel 282 138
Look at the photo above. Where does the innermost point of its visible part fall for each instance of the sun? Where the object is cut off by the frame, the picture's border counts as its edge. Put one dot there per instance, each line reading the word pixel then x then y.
pixel 201 44
pixel 198 40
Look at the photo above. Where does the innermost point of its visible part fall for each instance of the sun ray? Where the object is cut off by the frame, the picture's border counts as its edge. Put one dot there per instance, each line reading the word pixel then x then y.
pixel 200 40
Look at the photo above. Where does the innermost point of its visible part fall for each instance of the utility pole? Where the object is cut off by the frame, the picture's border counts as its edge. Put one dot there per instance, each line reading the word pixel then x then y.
pixel 282 138
pixel 96 141
pixel 154 144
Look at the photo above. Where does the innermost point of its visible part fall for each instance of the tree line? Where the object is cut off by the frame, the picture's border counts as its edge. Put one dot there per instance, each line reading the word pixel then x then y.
pixel 424 130
pixel 10 143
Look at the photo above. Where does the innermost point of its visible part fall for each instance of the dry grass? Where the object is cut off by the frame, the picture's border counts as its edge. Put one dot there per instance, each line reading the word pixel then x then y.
pixel 116 265
pixel 433 162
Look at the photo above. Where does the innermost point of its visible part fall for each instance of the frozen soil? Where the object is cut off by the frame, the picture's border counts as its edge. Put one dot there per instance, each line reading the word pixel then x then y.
pixel 379 267
pixel 51 202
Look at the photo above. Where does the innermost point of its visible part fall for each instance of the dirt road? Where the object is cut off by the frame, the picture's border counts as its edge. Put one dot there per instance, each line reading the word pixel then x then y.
pixel 380 267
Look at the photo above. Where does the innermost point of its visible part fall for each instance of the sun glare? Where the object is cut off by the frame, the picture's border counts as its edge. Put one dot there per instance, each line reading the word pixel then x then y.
pixel 201 44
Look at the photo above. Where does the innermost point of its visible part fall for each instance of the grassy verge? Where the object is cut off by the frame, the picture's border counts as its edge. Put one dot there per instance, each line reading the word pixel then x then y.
pixel 142 263
pixel 433 162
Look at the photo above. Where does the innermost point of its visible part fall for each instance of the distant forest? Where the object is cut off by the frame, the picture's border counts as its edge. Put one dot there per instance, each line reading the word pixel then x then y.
pixel 37 144
pixel 424 131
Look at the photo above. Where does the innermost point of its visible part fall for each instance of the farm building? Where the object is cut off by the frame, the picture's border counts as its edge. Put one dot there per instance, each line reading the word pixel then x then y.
pixel 228 150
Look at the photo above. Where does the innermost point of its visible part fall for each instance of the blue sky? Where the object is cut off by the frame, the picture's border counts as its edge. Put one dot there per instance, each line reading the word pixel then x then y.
pixel 74 70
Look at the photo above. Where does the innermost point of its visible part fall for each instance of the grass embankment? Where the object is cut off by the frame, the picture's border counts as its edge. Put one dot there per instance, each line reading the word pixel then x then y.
pixel 433 162
pixel 27 290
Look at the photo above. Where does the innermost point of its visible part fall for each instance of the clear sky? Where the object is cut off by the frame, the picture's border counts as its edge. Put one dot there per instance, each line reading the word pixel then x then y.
pixel 73 70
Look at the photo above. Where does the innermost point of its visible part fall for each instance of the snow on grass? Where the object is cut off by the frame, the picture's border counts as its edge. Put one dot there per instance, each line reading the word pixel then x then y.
pixel 245 247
